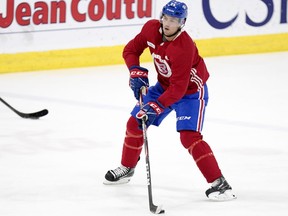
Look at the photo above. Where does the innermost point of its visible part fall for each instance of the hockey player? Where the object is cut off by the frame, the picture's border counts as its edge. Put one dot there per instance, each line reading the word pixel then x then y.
pixel 181 86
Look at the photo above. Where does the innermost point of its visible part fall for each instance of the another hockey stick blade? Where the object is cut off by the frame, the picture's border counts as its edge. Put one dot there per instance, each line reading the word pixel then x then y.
pixel 34 115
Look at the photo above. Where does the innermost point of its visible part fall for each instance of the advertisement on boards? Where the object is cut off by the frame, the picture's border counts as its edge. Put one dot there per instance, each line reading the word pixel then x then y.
pixel 35 16
pixel 230 18
pixel 36 25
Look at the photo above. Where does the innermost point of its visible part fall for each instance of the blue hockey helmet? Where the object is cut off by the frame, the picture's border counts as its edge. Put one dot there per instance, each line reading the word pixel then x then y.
pixel 175 9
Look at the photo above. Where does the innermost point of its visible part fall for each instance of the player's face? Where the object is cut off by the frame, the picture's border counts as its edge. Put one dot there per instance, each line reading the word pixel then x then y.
pixel 170 25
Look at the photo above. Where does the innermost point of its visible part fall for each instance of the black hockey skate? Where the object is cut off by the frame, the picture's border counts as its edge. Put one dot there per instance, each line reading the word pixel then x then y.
pixel 220 190
pixel 120 175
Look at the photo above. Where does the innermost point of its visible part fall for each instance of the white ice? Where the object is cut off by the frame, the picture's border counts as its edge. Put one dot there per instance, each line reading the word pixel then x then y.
pixel 55 166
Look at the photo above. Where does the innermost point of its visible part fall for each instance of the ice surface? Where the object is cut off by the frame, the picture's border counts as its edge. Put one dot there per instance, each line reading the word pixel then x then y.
pixel 55 166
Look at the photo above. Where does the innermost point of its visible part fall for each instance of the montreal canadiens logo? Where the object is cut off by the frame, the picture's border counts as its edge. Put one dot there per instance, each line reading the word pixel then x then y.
pixel 162 66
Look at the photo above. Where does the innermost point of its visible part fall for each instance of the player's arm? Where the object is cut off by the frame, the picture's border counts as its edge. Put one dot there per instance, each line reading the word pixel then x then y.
pixel 133 50
pixel 131 54
pixel 135 47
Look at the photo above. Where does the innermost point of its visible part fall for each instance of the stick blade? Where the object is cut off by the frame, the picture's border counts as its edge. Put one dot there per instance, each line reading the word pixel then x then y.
pixel 157 209
pixel 34 115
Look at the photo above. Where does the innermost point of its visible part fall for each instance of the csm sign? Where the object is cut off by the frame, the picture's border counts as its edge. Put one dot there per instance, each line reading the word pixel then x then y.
pixel 267 7
pixel 233 18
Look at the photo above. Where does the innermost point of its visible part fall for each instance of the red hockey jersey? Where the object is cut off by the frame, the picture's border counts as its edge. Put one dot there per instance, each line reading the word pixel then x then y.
pixel 180 69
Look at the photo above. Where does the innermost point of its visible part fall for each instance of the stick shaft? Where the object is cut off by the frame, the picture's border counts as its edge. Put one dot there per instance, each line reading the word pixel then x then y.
pixel 153 208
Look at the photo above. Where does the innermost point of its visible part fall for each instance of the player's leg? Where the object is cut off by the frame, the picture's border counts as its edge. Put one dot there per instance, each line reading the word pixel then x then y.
pixel 132 147
pixel 201 153
pixel 190 116
pixel 133 142
pixel 207 164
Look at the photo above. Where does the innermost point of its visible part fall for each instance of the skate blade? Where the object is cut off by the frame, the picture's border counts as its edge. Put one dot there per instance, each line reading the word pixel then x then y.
pixel 226 196
pixel 119 182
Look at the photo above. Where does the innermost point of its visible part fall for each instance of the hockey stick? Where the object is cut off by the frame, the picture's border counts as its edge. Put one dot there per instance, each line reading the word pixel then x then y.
pixel 34 115
pixel 153 208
